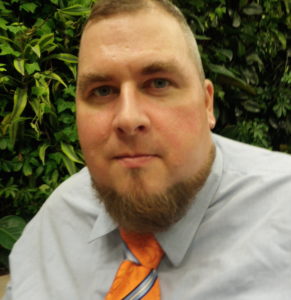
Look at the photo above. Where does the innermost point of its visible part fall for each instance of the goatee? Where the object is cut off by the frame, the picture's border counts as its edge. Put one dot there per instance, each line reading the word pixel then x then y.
pixel 139 211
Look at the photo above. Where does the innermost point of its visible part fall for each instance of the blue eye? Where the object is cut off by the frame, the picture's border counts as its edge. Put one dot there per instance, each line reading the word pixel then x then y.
pixel 103 91
pixel 160 83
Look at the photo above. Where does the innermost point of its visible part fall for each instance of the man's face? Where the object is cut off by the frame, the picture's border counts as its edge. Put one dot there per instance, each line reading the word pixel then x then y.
pixel 143 114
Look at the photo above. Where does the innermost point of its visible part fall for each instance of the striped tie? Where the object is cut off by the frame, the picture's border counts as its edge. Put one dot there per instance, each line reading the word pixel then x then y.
pixel 137 276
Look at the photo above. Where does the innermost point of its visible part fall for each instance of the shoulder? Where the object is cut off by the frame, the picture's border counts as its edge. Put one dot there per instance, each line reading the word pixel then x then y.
pixel 244 158
pixel 73 202
pixel 254 176
pixel 75 196
pixel 54 240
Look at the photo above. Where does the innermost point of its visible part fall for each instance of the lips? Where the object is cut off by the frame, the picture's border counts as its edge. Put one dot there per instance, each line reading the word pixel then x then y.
pixel 135 160
pixel 127 155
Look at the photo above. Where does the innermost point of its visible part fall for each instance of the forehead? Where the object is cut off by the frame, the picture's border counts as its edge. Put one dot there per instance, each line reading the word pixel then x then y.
pixel 142 15
pixel 138 32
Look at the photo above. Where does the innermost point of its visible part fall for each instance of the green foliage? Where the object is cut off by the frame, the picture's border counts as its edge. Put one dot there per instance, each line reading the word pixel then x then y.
pixel 11 228
pixel 246 51
pixel 245 47
pixel 38 61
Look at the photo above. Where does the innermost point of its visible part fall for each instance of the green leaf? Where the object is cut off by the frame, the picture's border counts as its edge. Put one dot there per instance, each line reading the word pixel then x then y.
pixel 287 3
pixel 254 58
pixel 19 65
pixel 27 170
pixel 241 49
pixel 281 37
pixel 17 166
pixel 63 105
pixel 29 7
pixel 281 108
pixel 202 37
pixel 5 79
pixel 35 127
pixel 36 50
pixel 39 91
pixel 73 69
pixel 20 100
pixel 55 77
pixel 31 68
pixel 17 28
pixel 4 38
pixel 70 165
pixel 228 77
pixel 5 123
pixel 3 143
pixel 13 129
pixel 3 23
pixel 251 106
pixel 46 41
pixel 41 152
pixel 221 70
pixel 253 9
pixel 69 151
pixel 3 68
pixel 11 228
pixel 227 53
pixel 69 58
pixel 71 89
pixel 75 10
pixel 236 21
pixel 286 77
pixel 6 49
pixel 44 27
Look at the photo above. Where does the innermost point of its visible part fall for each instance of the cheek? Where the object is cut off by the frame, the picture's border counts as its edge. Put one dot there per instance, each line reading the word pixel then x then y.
pixel 93 128
pixel 183 131
pixel 182 125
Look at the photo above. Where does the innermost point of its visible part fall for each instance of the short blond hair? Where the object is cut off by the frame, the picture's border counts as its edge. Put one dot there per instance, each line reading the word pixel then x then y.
pixel 103 9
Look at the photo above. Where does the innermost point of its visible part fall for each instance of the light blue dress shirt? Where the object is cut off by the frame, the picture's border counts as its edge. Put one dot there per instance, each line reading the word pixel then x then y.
pixel 234 243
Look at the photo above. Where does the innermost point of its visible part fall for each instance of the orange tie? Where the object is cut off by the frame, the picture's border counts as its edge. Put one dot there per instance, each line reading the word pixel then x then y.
pixel 137 278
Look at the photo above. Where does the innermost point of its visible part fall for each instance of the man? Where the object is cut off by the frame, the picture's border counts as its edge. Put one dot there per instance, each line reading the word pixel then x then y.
pixel 219 210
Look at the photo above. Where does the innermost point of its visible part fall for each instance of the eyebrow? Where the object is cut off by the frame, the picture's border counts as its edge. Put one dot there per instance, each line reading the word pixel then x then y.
pixel 158 67
pixel 90 78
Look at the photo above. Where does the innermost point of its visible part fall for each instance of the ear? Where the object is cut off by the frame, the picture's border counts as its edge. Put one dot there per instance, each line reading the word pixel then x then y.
pixel 209 102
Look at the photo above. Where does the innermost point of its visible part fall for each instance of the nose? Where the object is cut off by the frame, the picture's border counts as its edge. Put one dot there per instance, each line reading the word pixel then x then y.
pixel 130 118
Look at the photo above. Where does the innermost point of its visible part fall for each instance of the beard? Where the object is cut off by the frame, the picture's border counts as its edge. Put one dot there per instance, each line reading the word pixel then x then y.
pixel 141 212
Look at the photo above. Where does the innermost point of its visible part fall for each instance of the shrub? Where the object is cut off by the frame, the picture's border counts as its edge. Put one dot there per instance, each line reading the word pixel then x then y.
pixel 38 140
pixel 245 49
pixel 10 229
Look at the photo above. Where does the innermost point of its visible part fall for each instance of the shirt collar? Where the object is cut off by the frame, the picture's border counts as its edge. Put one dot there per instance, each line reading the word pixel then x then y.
pixel 103 225
pixel 175 241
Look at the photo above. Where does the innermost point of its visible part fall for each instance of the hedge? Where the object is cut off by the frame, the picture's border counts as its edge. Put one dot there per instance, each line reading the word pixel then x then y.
pixel 245 48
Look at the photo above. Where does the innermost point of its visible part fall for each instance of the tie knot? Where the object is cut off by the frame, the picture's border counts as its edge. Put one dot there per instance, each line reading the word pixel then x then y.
pixel 144 247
